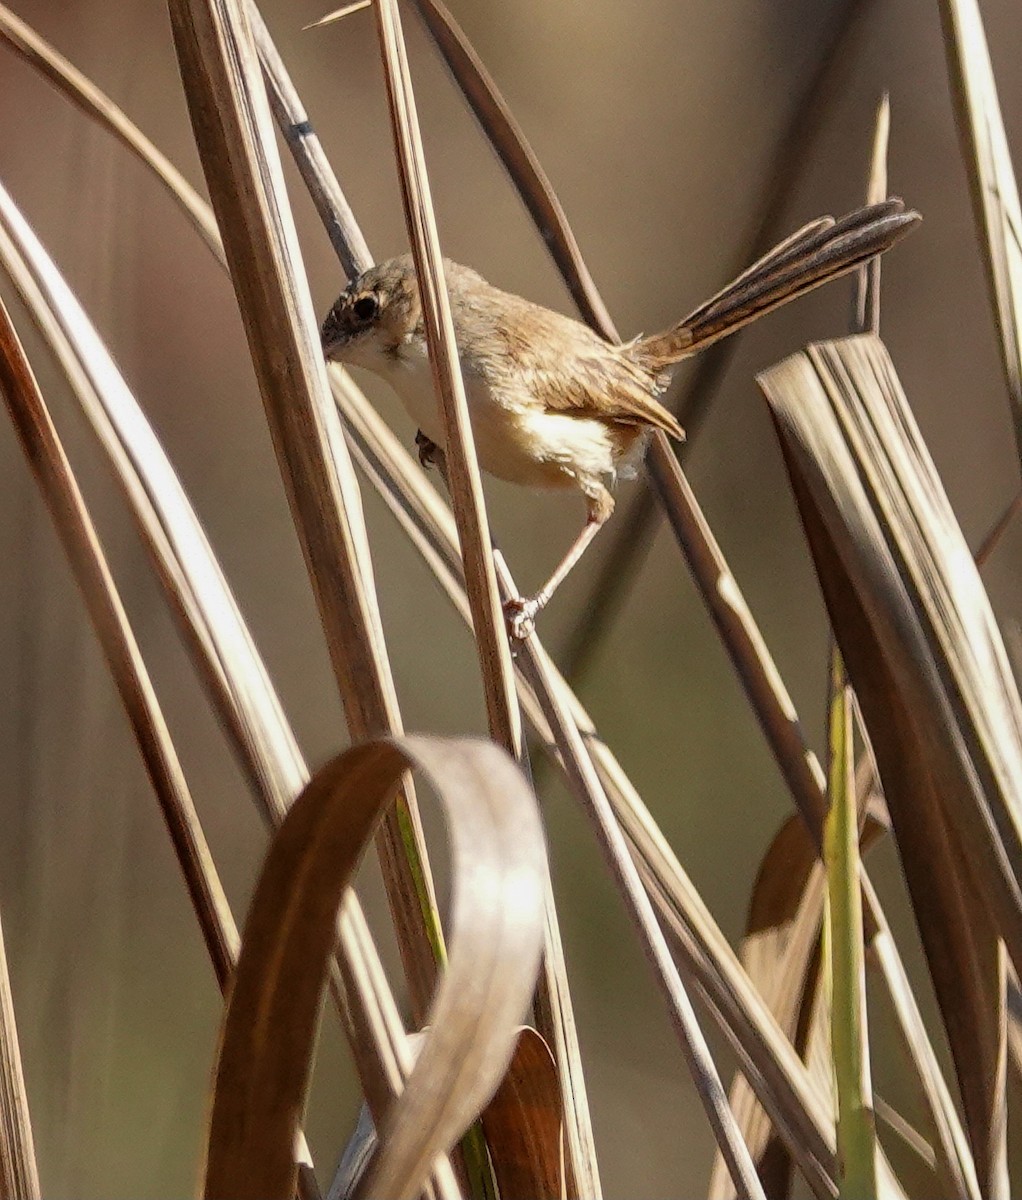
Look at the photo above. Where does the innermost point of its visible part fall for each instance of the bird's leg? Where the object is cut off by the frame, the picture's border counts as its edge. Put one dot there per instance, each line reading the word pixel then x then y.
pixel 521 612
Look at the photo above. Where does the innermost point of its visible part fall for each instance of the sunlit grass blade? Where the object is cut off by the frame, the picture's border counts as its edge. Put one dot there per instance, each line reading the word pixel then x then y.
pixel 926 658
pixel 462 465
pixel 293 121
pixel 992 182
pixel 234 133
pixel 498 880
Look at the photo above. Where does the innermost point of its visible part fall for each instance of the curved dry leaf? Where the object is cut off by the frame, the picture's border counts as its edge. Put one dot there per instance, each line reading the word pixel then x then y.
pixel 498 870
pixel 524 1125
pixel 944 717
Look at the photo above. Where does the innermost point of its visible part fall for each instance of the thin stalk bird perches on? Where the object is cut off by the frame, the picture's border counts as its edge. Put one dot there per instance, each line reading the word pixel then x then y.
pixel 554 405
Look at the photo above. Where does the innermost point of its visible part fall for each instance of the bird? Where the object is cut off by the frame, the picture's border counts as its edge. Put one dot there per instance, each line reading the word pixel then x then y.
pixel 552 404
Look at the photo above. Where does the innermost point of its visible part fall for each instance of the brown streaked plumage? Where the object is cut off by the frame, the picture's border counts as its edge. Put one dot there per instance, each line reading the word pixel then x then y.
pixel 553 404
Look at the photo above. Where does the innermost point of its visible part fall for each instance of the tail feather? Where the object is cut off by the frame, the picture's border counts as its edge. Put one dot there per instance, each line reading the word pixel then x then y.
pixel 822 250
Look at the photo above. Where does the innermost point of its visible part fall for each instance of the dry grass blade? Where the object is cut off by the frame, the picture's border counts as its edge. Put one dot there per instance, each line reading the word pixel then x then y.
pixel 929 668
pixel 524 1125
pixel 46 456
pixel 462 465
pixel 19 1176
pixel 498 872
pixel 231 119
pixel 339 14
pixel 293 121
pixel 518 157
pixel 992 180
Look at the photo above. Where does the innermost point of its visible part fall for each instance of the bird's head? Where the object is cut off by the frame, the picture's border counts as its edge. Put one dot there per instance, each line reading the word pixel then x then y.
pixel 375 316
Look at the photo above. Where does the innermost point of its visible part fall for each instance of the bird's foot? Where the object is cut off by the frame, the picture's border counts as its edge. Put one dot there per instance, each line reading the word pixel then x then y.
pixel 430 454
pixel 520 615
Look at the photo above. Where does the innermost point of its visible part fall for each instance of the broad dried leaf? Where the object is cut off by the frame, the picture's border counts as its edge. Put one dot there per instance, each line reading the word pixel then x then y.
pixel 524 1125
pixel 498 878
pixel 929 668
pixel 992 180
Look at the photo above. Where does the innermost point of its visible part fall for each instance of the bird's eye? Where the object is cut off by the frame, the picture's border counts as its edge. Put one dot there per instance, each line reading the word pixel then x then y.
pixel 365 308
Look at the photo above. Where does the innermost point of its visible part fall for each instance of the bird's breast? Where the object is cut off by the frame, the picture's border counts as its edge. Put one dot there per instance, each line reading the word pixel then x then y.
pixel 516 438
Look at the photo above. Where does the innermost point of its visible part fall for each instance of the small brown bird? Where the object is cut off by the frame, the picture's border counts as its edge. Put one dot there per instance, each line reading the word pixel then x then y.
pixel 552 404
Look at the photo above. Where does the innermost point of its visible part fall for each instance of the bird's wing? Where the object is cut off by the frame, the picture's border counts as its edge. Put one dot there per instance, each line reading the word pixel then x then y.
pixel 570 369
pixel 611 388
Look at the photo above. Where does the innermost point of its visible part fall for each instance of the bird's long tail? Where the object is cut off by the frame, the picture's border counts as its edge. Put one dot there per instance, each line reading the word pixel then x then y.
pixel 817 253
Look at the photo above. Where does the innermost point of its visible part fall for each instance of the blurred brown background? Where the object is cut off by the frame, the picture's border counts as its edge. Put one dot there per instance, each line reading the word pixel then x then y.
pixel 657 122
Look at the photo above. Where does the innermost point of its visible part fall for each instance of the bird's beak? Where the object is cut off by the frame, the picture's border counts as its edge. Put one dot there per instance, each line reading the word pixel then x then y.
pixel 331 339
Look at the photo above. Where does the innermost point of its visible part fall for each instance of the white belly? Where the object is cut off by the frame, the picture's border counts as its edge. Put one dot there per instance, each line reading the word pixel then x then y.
pixel 517 442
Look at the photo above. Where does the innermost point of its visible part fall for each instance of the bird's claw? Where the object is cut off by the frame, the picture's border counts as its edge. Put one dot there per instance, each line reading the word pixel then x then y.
pixel 520 615
pixel 429 451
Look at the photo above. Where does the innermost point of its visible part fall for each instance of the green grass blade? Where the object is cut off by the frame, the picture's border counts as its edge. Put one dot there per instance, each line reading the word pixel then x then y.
pixel 856 1127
